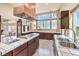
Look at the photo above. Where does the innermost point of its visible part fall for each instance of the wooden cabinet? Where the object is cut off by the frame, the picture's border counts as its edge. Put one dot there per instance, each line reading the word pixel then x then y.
pixel 21 50
pixel 65 19
pixel 47 36
pixel 37 43
pixel 33 46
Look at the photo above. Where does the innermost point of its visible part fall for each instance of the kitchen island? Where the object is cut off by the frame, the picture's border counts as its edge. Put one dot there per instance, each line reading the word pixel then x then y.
pixel 24 47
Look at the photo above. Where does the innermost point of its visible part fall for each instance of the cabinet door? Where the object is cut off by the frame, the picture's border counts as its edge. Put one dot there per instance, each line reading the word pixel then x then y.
pixel 23 53
pixel 19 49
pixel 36 42
pixel 64 19
pixel 31 49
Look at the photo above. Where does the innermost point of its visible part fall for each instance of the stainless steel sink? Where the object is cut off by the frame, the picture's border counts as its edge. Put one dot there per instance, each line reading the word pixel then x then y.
pixel 66 43
pixel 25 37
pixel 13 41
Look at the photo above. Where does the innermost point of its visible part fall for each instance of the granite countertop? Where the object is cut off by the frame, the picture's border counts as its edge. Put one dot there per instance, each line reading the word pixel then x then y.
pixel 65 51
pixel 5 48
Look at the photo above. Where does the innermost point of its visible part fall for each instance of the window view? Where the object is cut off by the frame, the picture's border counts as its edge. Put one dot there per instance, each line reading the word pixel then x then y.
pixel 76 22
pixel 44 21
pixel 54 24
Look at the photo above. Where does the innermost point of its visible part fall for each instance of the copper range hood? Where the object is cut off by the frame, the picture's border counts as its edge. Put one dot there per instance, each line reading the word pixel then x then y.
pixel 25 11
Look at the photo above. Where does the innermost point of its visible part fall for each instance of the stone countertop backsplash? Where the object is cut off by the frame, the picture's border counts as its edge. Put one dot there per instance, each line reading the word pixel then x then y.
pixel 5 48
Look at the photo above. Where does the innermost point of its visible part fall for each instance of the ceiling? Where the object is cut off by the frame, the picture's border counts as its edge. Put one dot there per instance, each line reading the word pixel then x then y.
pixel 46 7
pixel 43 7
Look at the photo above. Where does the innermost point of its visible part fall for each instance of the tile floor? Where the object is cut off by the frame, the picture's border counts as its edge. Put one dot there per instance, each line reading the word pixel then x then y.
pixel 45 48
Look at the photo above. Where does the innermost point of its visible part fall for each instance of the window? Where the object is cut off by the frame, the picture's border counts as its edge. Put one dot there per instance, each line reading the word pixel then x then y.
pixel 40 24
pixel 54 15
pixel 54 24
pixel 43 24
pixel 47 21
pixel 43 21
pixel 54 20
pixel 43 17
pixel 76 22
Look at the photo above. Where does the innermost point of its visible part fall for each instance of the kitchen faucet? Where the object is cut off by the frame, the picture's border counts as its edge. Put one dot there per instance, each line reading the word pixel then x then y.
pixel 73 33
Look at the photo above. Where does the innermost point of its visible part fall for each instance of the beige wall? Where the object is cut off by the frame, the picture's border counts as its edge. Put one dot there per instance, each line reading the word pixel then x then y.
pixel 6 12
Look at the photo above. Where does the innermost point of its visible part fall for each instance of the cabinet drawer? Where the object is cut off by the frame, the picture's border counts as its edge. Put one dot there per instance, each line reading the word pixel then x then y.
pixel 19 49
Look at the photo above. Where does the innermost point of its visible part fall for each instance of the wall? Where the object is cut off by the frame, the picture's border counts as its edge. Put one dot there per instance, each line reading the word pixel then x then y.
pixel 6 12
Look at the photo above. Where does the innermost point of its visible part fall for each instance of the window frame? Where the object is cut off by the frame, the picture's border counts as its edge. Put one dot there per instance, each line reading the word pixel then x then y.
pixel 51 18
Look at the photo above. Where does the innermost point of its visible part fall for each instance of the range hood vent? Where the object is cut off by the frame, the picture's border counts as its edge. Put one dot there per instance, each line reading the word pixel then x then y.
pixel 25 11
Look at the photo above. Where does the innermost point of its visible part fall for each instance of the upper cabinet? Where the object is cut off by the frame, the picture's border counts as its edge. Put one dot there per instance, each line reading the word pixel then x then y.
pixel 25 10
pixel 65 19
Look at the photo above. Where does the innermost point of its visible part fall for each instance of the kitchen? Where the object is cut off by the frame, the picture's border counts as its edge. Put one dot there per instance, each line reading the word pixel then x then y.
pixel 27 29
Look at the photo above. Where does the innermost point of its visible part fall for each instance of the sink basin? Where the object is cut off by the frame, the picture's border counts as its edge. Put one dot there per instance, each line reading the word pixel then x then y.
pixel 25 37
pixel 12 41
pixel 66 43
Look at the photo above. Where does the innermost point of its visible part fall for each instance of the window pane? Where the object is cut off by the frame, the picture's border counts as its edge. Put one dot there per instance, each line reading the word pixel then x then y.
pixel 43 17
pixel 43 24
pixel 54 15
pixel 54 24
pixel 40 24
pixel 46 24
pixel 77 15
pixel 76 23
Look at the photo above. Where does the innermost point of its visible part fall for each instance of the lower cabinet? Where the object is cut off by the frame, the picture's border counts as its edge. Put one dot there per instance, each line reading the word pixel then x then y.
pixel 23 53
pixel 46 36
pixel 33 46
pixel 37 43
pixel 21 50
pixel 31 49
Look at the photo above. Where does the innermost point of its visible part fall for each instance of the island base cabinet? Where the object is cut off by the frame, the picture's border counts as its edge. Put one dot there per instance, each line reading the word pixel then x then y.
pixel 21 50
pixel 31 49
pixel 33 46
pixel 37 43
pixel 23 53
